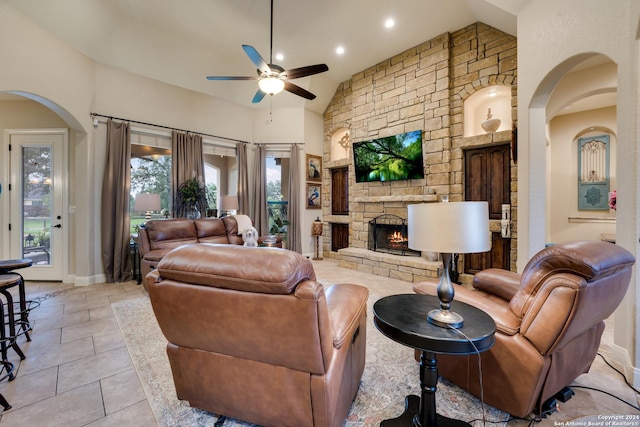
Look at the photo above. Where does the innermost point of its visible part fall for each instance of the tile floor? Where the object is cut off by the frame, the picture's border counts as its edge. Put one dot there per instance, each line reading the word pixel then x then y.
pixel 78 371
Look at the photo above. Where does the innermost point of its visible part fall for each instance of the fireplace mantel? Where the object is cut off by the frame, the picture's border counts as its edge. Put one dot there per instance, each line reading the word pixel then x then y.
pixel 397 198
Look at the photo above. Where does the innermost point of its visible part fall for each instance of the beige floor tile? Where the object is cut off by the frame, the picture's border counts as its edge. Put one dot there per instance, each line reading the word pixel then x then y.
pixel 134 293
pixel 57 354
pixel 41 341
pixel 91 328
pixel 60 321
pixel 108 342
pixel 135 415
pixel 121 390
pixel 76 407
pixel 30 388
pixel 93 368
pixel 88 304
pixel 102 312
pixel 44 312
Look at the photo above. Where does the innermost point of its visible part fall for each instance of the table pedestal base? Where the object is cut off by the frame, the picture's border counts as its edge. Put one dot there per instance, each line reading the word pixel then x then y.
pixel 411 416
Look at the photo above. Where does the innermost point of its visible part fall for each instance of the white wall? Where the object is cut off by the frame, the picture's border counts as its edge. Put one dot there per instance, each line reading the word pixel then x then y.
pixel 553 37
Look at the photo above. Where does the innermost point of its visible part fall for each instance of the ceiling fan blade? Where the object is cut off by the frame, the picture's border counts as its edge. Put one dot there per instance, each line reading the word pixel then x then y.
pixel 230 78
pixel 309 70
pixel 258 96
pixel 255 57
pixel 297 90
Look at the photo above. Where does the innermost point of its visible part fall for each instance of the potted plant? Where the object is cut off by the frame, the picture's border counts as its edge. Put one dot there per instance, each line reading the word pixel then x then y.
pixel 191 199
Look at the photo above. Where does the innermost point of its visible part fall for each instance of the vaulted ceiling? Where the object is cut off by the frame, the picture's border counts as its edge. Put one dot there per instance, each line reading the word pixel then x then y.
pixel 182 42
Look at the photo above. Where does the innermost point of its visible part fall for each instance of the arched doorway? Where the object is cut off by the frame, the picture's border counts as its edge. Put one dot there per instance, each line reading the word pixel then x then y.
pixel 34 207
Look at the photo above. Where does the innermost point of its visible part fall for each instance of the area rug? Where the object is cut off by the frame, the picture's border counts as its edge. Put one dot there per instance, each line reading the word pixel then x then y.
pixel 390 374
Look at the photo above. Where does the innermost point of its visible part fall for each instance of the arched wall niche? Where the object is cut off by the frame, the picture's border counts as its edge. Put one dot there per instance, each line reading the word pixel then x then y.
pixel 340 144
pixel 497 100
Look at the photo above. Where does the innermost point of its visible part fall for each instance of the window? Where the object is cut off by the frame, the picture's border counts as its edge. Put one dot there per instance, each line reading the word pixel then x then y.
pixel 150 173
pixel 212 183
pixel 277 191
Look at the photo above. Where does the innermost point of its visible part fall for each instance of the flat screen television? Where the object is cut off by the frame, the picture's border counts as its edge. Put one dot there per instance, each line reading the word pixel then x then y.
pixel 391 158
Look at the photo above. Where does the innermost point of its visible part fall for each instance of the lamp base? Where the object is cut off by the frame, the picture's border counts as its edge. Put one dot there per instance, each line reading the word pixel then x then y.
pixel 445 318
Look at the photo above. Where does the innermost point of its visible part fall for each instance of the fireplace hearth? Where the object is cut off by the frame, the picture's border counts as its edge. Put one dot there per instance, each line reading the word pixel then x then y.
pixel 388 234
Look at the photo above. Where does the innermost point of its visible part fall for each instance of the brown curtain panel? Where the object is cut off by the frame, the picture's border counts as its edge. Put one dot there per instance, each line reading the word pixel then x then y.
pixel 294 232
pixel 114 224
pixel 187 161
pixel 260 219
pixel 243 180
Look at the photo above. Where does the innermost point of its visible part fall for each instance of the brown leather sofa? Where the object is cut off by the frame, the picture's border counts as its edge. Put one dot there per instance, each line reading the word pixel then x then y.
pixel 160 236
pixel 252 334
pixel 549 322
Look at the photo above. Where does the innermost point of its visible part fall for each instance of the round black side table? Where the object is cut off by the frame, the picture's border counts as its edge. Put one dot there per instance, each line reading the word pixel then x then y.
pixel 403 318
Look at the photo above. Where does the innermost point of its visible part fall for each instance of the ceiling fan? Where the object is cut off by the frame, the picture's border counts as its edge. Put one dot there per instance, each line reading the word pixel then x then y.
pixel 272 78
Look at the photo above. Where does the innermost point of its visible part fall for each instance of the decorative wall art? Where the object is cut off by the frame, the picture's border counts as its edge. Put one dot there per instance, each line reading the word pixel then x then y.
pixel 314 168
pixel 314 196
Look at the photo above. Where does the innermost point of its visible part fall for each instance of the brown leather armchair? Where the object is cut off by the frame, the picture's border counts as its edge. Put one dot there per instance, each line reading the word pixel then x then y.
pixel 549 322
pixel 252 334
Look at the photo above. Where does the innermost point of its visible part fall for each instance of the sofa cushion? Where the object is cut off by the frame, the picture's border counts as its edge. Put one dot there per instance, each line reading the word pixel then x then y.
pixel 170 233
pixel 211 230
pixel 251 269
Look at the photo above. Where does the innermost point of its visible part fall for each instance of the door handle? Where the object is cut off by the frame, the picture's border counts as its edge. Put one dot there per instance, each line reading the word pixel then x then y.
pixel 505 222
pixel 58 226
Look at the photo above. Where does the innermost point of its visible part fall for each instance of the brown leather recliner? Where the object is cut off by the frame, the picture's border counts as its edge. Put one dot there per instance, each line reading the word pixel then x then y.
pixel 549 322
pixel 252 334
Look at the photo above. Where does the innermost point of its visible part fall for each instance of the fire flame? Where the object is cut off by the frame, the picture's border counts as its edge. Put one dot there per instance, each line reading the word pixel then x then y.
pixel 396 237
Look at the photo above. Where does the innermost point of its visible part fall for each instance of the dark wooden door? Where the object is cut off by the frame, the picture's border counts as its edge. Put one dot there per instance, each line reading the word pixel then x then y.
pixel 339 236
pixel 340 191
pixel 488 178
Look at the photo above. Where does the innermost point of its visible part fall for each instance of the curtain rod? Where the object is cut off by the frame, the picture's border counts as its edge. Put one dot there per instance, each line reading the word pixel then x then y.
pixel 168 127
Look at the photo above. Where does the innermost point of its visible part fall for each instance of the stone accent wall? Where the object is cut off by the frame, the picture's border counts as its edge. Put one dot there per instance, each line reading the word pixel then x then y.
pixel 422 88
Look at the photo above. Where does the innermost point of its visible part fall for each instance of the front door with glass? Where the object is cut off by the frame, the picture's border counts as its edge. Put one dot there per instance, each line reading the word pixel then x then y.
pixel 36 195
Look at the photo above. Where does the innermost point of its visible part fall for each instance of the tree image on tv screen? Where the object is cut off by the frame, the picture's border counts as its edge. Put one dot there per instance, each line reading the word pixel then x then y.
pixel 391 158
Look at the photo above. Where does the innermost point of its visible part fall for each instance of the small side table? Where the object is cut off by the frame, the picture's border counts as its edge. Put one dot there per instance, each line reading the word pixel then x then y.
pixel 135 257
pixel 403 318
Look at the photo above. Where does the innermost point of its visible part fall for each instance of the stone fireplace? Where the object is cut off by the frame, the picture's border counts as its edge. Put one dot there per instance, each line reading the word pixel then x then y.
pixel 388 234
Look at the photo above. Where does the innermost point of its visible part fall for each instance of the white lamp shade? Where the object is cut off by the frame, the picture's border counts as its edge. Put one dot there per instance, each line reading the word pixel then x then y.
pixel 271 85
pixel 229 203
pixel 454 227
pixel 147 202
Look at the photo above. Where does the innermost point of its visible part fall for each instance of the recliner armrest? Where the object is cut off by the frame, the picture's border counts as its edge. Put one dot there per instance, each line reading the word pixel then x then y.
pixel 502 283
pixel 346 304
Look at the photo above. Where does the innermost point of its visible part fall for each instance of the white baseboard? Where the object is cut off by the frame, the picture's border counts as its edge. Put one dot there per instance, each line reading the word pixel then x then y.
pixel 620 359
pixel 88 280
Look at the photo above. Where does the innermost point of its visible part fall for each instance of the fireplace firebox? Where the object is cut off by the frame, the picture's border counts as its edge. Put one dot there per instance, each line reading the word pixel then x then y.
pixel 388 233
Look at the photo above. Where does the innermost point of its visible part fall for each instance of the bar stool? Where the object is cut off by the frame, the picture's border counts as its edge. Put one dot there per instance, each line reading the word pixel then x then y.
pixel 9 266
pixel 8 338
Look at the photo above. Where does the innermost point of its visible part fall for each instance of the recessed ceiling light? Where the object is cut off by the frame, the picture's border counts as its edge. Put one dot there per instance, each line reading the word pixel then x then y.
pixel 389 23
pixel 279 57
pixel 340 50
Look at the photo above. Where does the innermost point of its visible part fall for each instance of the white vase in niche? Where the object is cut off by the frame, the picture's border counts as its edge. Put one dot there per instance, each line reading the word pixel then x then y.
pixel 490 125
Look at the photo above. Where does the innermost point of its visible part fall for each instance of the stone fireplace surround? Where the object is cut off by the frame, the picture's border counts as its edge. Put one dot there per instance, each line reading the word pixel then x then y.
pixel 357 256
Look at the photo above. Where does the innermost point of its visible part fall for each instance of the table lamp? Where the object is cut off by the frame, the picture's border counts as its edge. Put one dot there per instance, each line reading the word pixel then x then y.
pixel 316 231
pixel 228 204
pixel 147 203
pixel 448 228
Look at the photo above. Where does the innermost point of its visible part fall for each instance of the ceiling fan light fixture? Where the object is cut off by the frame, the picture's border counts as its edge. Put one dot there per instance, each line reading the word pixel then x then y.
pixel 271 85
